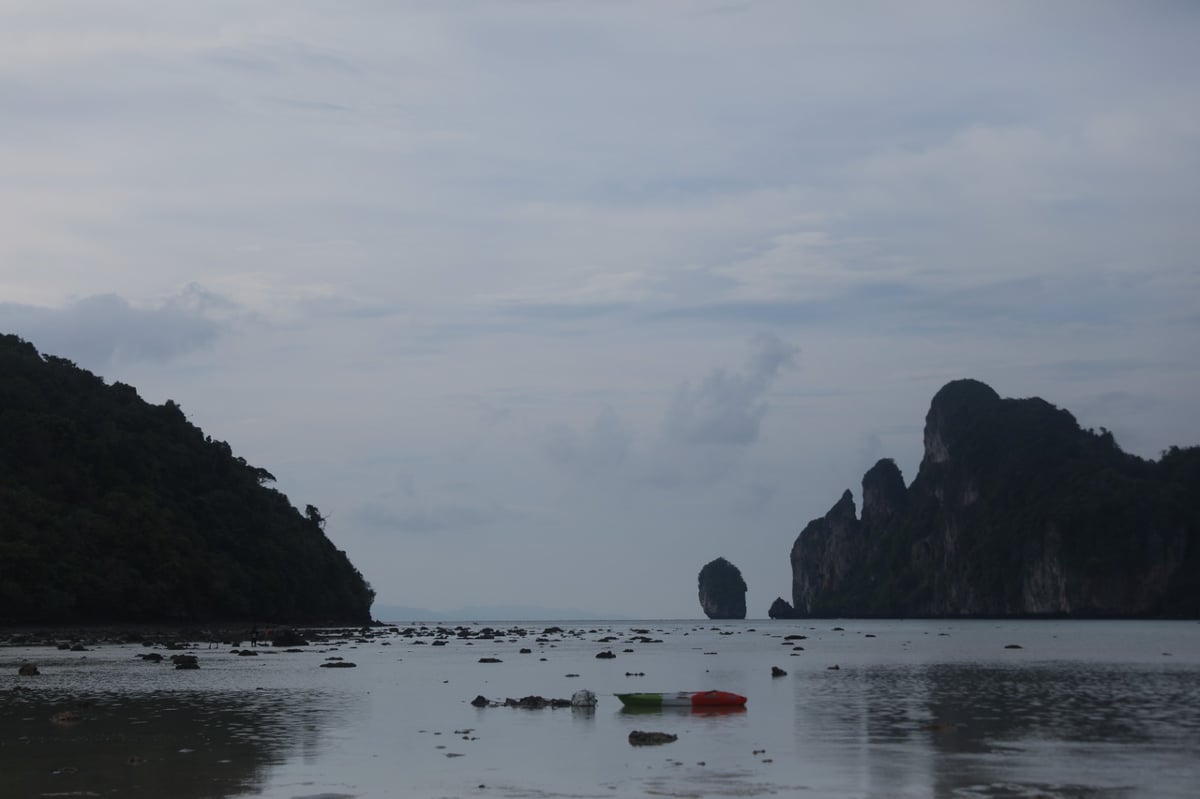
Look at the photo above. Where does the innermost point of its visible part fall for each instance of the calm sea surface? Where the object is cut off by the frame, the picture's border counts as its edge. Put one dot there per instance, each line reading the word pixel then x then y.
pixel 913 709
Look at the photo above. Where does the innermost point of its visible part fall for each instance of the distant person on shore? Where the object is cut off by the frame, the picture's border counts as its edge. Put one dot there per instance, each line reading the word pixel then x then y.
pixel 254 635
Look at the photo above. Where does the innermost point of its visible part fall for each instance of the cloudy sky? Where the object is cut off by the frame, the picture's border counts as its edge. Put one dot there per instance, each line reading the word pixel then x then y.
pixel 550 303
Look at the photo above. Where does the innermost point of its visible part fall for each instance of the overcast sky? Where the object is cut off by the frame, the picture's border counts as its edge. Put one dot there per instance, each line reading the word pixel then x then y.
pixel 551 303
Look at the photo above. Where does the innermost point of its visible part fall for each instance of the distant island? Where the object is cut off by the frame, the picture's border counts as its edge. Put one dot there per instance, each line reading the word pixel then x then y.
pixel 722 590
pixel 114 510
pixel 1015 512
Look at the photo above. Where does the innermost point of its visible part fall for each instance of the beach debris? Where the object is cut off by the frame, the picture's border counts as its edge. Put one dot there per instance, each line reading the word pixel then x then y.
pixel 645 738
pixel 532 702
pixel 536 702
pixel 778 672
pixel 67 717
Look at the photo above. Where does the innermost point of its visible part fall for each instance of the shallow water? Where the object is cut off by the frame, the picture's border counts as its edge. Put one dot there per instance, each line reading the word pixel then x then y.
pixel 914 709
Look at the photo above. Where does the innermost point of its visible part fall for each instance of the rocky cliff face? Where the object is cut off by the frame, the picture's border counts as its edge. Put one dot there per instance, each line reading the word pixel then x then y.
pixel 1015 511
pixel 722 590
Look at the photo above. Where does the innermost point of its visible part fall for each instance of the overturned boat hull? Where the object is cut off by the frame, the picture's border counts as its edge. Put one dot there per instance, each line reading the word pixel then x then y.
pixel 695 699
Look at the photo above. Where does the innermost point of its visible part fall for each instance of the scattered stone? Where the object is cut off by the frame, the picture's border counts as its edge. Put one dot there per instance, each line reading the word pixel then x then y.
pixel 185 662
pixel 605 655
pixel 287 637
pixel 778 672
pixel 640 738
pixel 480 701
pixel 526 651
pixel 834 667
pixel 339 664
pixel 490 660
pixel 150 657
pixel 1014 646
pixel 28 670
pixel 67 717
pixel 583 698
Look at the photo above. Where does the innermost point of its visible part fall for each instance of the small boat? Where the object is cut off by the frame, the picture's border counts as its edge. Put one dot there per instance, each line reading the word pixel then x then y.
pixel 683 699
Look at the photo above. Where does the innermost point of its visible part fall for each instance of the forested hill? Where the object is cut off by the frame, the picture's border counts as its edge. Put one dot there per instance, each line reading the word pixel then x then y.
pixel 116 510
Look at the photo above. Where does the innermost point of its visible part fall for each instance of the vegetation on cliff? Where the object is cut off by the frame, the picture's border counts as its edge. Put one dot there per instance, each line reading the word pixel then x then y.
pixel 722 590
pixel 112 509
pixel 1015 511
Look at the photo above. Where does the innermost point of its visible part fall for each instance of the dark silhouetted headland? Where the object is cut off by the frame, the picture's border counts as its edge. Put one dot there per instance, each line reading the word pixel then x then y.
pixel 116 510
pixel 1015 511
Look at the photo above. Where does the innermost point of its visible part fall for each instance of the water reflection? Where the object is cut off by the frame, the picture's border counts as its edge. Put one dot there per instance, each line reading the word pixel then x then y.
pixel 1059 729
pixel 694 712
pixel 190 745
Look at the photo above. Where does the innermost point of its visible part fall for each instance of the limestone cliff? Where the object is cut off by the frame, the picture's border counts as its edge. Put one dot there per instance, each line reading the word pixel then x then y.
pixel 1015 511
pixel 722 590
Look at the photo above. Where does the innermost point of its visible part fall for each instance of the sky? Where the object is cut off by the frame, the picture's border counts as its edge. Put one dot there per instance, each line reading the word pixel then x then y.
pixel 548 304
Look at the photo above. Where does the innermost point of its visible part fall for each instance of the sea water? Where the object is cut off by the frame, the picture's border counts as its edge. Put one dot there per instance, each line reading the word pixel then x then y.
pixel 865 709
